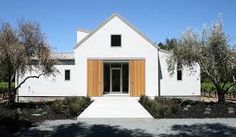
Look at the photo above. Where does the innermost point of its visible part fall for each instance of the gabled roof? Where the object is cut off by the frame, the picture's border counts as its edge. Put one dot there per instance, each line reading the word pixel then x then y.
pixel 62 55
pixel 125 21
pixel 83 30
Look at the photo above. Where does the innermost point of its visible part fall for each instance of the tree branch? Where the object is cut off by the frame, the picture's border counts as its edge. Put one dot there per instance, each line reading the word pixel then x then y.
pixel 206 71
pixel 27 79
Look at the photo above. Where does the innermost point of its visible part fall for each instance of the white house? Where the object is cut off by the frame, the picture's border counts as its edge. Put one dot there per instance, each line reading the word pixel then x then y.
pixel 114 59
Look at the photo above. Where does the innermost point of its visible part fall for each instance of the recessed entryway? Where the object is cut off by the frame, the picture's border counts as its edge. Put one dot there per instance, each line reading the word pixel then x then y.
pixel 116 77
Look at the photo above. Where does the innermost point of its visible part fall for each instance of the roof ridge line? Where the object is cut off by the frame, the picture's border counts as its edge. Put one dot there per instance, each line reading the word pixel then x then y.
pixel 126 22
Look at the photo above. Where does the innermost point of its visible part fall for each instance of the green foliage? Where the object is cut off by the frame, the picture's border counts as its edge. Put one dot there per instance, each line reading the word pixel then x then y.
pixel 157 109
pixel 71 106
pixel 211 50
pixel 143 99
pixel 168 45
pixel 74 108
pixel 58 106
pixel 4 85
pixel 172 109
pixel 3 74
pixel 208 86
pixel 20 45
pixel 160 107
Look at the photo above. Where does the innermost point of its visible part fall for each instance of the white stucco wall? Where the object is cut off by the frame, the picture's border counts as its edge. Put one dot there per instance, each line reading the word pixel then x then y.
pixel 51 86
pixel 169 85
pixel 98 46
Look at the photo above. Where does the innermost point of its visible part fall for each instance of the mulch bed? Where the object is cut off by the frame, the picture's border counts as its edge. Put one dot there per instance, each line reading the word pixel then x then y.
pixel 197 109
pixel 162 107
pixel 17 117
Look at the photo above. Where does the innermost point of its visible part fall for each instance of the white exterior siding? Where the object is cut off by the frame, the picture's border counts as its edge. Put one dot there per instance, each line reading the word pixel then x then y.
pixel 51 86
pixel 81 35
pixel 169 85
pixel 133 45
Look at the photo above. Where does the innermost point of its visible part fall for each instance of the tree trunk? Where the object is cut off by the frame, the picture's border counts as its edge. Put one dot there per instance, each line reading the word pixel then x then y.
pixel 221 97
pixel 11 91
pixel 9 86
pixel 9 80
pixel 12 96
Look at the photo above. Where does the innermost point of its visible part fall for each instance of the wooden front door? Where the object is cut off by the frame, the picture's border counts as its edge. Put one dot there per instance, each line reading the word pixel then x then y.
pixel 95 78
pixel 137 77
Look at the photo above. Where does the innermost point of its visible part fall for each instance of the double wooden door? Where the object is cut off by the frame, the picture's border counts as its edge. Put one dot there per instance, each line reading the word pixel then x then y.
pixel 136 77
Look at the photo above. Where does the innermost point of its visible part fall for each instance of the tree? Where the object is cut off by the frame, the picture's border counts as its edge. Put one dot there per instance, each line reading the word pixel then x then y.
pixel 3 74
pixel 211 51
pixel 24 49
pixel 168 45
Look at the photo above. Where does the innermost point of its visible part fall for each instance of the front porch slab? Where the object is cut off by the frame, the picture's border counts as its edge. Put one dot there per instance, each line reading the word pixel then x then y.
pixel 115 107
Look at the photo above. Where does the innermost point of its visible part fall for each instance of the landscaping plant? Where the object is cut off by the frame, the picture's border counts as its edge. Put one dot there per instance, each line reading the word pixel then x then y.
pixel 24 49
pixel 210 50
pixel 71 106
pixel 160 107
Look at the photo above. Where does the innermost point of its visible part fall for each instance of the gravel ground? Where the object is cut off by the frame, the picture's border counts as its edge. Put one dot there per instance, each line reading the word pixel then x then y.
pixel 217 127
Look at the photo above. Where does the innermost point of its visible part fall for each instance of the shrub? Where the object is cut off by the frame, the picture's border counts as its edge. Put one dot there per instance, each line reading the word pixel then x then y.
pixel 57 106
pixel 157 109
pixel 85 101
pixel 160 107
pixel 74 108
pixel 143 99
pixel 208 86
pixel 71 106
pixel 4 85
pixel 172 109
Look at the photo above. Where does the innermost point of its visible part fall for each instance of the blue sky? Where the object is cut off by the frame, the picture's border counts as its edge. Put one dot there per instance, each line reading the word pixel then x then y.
pixel 157 19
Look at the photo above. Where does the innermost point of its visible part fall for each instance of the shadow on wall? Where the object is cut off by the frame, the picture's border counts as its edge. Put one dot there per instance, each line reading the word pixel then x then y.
pixel 82 130
pixel 159 76
pixel 202 130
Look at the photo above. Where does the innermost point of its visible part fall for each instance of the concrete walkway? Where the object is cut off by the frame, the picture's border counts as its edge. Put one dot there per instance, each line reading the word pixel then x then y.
pixel 115 107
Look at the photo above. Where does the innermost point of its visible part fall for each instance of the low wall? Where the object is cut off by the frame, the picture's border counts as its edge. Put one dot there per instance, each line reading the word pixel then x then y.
pixel 38 99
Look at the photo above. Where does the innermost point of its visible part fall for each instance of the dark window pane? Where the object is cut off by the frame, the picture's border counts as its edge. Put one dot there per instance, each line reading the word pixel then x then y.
pixel 116 65
pixel 67 74
pixel 106 74
pixel 116 80
pixel 125 77
pixel 115 40
pixel 179 71
pixel 179 74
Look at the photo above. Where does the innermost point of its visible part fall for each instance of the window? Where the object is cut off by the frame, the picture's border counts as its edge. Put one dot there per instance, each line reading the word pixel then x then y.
pixel 179 71
pixel 67 74
pixel 115 40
